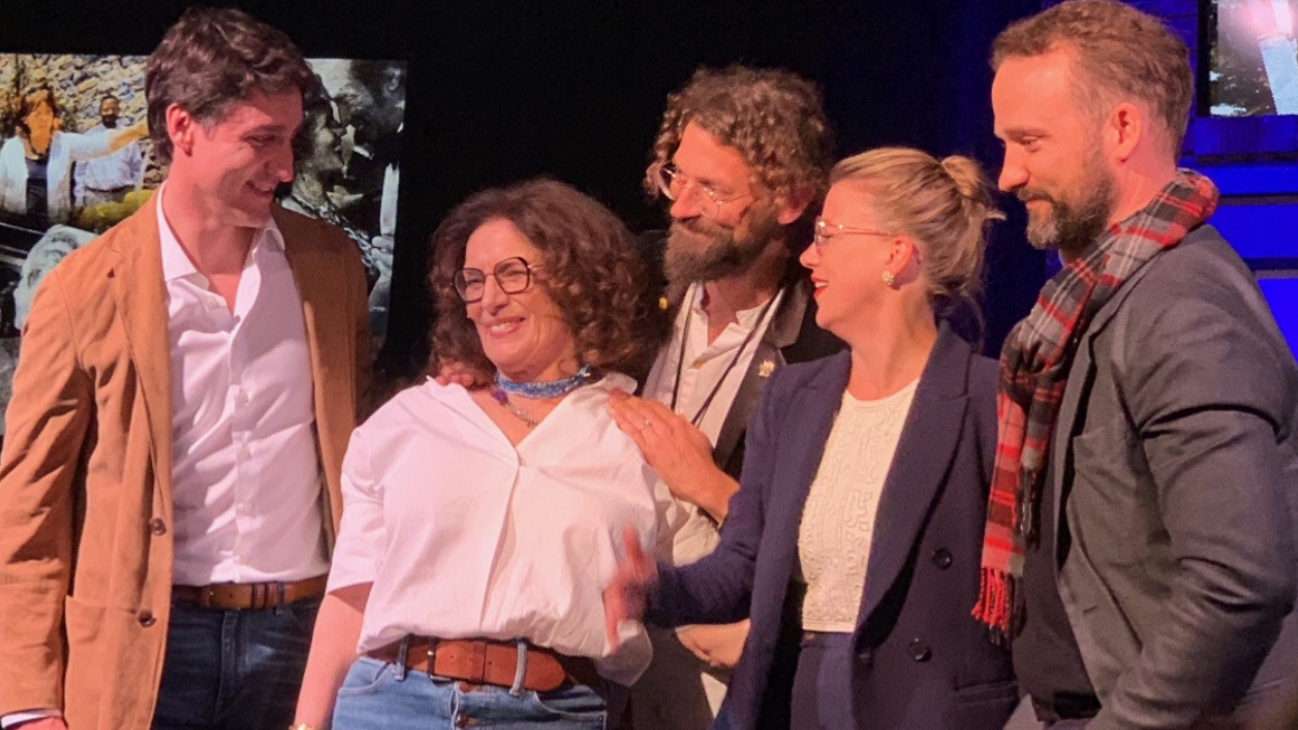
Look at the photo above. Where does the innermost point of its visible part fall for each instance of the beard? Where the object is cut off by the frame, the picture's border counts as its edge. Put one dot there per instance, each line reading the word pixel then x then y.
pixel 700 250
pixel 1072 226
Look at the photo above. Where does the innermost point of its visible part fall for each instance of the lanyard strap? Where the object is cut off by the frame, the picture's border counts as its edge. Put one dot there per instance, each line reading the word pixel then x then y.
pixel 716 387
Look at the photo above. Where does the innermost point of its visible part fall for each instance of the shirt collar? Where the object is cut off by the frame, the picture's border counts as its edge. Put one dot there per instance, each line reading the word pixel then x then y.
pixel 176 264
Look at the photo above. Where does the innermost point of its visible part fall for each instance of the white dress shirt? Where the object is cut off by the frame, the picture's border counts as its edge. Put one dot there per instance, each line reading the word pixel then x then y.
pixel 245 475
pixel 680 691
pixel 121 169
pixel 691 534
pixel 465 535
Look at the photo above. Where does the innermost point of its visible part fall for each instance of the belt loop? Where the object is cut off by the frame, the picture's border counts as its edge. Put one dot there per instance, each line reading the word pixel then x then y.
pixel 521 672
pixel 281 591
pixel 402 649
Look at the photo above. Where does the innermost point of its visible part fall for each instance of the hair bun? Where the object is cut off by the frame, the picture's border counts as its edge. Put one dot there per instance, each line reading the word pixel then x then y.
pixel 972 184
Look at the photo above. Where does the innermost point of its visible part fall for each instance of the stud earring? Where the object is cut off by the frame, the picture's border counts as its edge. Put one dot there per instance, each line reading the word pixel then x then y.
pixel 889 278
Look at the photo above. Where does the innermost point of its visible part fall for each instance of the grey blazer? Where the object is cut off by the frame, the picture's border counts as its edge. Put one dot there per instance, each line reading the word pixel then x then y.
pixel 1176 448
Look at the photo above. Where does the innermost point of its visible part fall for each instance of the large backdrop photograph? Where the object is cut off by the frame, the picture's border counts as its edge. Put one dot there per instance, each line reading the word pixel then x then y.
pixel 75 159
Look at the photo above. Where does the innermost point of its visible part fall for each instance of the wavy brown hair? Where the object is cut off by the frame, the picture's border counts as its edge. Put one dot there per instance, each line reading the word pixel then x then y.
pixel 774 118
pixel 1120 52
pixel 591 269
pixel 212 58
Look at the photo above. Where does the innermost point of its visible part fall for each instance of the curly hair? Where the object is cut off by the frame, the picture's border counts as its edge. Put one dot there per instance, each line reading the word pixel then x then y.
pixel 592 271
pixel 774 118
pixel 212 58
pixel 1120 51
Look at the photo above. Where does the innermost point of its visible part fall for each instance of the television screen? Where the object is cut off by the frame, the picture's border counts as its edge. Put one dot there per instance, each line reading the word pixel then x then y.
pixel 1252 57
pixel 70 167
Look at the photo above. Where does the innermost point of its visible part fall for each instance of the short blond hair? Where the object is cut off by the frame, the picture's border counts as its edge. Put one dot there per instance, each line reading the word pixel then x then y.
pixel 1119 51
pixel 945 206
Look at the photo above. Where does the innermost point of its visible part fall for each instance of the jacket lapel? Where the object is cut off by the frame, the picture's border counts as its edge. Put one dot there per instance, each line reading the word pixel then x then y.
pixel 141 297
pixel 317 276
pixel 919 466
pixel 786 323
pixel 1081 375
pixel 803 435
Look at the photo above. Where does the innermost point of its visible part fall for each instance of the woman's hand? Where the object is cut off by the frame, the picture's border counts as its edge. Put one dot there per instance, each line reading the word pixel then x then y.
pixel 719 645
pixel 677 450
pixel 458 373
pixel 627 594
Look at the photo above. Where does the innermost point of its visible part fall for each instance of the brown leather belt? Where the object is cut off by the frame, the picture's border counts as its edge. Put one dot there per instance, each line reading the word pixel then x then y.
pixel 254 596
pixel 485 661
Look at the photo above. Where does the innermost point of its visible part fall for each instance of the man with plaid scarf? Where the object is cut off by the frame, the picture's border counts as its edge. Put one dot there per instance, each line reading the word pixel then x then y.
pixel 1140 553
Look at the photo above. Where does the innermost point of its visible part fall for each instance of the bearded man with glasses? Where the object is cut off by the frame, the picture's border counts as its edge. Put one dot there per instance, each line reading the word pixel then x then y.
pixel 742 156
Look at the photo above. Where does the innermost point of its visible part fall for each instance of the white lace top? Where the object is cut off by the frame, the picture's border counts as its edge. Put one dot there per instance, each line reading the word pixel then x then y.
pixel 838 520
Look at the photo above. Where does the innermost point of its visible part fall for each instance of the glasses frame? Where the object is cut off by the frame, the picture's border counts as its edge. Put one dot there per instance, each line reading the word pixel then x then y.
pixel 461 284
pixel 820 238
pixel 705 197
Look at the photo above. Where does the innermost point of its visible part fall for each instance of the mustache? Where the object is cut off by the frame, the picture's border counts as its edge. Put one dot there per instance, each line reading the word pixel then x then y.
pixel 698 226
pixel 1027 194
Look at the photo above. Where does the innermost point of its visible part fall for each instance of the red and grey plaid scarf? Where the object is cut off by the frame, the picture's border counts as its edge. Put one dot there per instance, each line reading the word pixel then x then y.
pixel 1034 370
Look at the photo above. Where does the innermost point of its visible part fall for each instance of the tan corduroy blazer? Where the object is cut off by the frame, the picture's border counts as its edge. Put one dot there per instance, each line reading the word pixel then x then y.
pixel 86 546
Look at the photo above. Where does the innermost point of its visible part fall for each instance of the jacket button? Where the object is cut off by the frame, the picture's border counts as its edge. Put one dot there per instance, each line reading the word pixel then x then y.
pixel 919 651
pixel 941 558
pixel 157 526
pixel 866 655
pixel 146 618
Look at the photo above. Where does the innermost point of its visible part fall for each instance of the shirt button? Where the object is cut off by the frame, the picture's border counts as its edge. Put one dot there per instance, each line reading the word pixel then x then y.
pixel 213 302
pixel 157 526
pixel 146 618
pixel 244 452
pixel 245 507
pixel 941 558
pixel 919 651
pixel 241 397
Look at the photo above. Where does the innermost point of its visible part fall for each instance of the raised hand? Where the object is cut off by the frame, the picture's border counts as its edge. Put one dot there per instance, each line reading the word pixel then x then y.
pixel 627 594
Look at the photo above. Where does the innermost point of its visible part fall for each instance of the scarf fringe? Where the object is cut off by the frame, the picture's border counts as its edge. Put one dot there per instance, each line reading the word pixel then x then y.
pixel 996 603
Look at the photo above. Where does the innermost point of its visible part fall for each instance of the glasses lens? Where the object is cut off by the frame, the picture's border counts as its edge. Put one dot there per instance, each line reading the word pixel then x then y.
pixel 668 181
pixel 513 275
pixel 468 284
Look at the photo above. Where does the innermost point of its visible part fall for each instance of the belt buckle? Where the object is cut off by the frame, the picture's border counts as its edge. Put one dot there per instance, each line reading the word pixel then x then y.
pixel 431 651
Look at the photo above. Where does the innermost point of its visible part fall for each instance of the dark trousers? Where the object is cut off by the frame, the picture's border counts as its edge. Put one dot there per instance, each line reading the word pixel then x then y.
pixel 822 687
pixel 234 670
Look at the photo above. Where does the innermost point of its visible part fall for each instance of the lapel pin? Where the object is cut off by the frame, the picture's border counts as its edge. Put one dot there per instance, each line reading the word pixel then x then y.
pixel 766 368
pixel 663 304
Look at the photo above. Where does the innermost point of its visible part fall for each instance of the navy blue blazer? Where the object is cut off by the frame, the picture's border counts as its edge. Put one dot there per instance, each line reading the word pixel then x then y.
pixel 923 661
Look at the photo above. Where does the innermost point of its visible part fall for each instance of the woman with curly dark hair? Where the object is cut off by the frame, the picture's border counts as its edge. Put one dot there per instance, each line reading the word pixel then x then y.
pixel 480 525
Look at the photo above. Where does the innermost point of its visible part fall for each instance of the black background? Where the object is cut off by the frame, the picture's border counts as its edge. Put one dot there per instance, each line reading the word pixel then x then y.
pixel 501 91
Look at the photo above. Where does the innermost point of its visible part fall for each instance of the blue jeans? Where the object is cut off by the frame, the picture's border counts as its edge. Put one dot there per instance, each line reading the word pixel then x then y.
pixel 234 670
pixel 382 696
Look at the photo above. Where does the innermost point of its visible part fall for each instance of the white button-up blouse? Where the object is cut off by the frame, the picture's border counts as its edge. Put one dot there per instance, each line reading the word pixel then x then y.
pixel 464 535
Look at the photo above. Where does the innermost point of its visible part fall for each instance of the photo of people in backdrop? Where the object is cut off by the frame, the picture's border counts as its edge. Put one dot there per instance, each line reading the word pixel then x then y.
pixel 75 159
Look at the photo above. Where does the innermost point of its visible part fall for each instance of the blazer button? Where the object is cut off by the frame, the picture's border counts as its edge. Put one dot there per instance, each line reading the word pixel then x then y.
pixel 146 618
pixel 941 558
pixel 157 526
pixel 919 651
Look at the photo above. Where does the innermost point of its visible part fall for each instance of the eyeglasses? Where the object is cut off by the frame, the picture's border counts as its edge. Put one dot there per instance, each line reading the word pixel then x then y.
pixel 676 185
pixel 824 231
pixel 514 275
